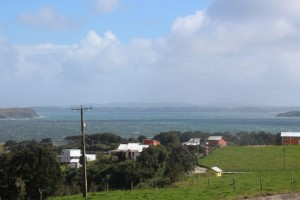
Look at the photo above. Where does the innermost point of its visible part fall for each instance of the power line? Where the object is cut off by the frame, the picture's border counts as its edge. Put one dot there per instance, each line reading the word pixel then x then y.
pixel 82 110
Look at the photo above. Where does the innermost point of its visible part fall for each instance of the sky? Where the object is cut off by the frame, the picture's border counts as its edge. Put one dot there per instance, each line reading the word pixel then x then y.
pixel 198 52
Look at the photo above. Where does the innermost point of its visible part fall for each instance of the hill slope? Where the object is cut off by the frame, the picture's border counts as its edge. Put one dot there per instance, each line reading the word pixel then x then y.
pixel 17 113
pixel 289 114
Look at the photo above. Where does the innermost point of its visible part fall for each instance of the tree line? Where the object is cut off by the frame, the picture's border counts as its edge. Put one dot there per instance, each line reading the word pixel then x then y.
pixel 29 169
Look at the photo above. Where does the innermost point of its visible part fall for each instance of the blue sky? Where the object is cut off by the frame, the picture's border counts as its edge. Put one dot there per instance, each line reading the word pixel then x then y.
pixel 128 19
pixel 201 52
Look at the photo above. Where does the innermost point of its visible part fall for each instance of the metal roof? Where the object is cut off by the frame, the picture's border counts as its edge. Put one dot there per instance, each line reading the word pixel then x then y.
pixel 216 169
pixel 290 134
pixel 74 160
pixel 132 147
pixel 193 142
pixel 215 138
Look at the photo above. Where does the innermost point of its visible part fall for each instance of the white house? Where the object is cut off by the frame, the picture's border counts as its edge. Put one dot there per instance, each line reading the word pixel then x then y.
pixel 71 156
pixel 132 150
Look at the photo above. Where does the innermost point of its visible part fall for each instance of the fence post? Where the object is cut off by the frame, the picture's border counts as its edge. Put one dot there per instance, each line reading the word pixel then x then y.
pixel 131 187
pixel 208 183
pixel 233 184
pixel 261 183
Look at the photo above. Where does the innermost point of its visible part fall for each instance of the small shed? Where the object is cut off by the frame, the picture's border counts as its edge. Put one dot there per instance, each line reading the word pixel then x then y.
pixel 290 138
pixel 214 171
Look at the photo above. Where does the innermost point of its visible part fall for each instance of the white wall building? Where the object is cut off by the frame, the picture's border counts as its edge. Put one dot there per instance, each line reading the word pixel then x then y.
pixel 132 150
pixel 72 156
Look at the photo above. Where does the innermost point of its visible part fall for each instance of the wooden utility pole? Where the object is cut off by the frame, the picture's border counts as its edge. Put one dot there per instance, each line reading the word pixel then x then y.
pixel 84 181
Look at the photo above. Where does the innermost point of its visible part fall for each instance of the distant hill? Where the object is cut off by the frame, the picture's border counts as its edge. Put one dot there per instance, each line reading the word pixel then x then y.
pixel 17 113
pixel 289 114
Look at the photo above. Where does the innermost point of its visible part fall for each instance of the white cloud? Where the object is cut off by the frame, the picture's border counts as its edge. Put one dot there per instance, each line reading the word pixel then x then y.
pixel 103 6
pixel 8 59
pixel 189 24
pixel 47 18
pixel 233 48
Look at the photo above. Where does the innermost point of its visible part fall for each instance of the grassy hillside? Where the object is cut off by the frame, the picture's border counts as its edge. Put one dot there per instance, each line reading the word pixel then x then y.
pixel 247 185
pixel 264 176
pixel 252 158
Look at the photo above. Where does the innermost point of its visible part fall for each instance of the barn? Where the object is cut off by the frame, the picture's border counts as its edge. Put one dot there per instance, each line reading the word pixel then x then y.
pixel 290 138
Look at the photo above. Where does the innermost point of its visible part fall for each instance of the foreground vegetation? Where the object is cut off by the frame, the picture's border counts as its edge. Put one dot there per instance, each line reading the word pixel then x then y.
pixel 30 170
pixel 246 186
pixel 263 175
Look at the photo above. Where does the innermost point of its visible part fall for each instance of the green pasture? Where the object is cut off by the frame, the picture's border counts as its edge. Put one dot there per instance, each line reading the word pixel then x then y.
pixel 246 185
pixel 260 172
pixel 255 158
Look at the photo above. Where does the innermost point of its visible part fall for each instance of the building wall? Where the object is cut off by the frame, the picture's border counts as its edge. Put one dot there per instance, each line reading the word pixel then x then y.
pixel 211 172
pixel 290 140
pixel 68 154
pixel 151 142
pixel 132 155
pixel 90 157
pixel 221 143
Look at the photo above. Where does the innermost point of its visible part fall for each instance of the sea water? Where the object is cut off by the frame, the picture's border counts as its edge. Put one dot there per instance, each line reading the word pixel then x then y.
pixel 59 123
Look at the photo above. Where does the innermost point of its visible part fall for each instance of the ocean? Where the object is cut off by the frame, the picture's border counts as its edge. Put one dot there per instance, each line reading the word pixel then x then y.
pixel 57 123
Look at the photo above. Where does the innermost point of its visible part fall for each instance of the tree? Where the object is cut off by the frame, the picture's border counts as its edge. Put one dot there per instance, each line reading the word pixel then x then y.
pixel 105 138
pixel 46 142
pixel 180 162
pixel 7 188
pixel 128 170
pixel 10 143
pixel 141 138
pixel 38 169
pixel 169 139
pixel 152 161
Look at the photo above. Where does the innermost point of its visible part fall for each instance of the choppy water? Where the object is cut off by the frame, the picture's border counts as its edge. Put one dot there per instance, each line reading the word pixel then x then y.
pixel 59 123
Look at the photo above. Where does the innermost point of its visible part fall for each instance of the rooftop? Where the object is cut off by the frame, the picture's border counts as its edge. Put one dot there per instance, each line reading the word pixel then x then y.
pixel 216 169
pixel 290 134
pixel 132 147
pixel 215 138
pixel 193 142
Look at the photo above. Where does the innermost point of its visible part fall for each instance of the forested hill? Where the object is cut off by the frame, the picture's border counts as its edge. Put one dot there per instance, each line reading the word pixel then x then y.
pixel 289 114
pixel 17 113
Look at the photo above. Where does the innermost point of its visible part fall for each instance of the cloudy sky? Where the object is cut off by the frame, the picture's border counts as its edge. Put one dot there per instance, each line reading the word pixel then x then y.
pixel 201 52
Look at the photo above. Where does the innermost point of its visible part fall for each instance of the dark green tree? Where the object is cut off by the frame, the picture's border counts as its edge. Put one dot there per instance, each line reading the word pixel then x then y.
pixel 180 162
pixel 124 174
pixel 152 161
pixel 38 169
pixel 169 139
pixel 141 138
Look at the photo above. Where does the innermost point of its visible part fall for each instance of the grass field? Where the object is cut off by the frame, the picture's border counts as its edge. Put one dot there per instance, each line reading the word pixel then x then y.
pixel 264 175
pixel 255 158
